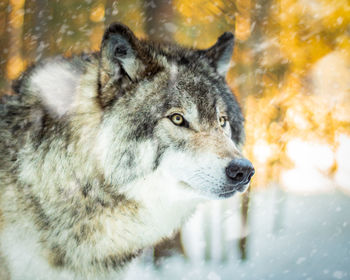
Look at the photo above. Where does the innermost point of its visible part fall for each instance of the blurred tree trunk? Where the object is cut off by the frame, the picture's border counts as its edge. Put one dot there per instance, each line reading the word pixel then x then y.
pixel 15 63
pixel 35 30
pixel 244 225
pixel 167 248
pixel 111 12
pixel 4 45
pixel 252 68
pixel 159 17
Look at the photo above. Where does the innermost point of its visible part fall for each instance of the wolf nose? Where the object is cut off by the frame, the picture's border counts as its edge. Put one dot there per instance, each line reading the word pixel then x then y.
pixel 240 171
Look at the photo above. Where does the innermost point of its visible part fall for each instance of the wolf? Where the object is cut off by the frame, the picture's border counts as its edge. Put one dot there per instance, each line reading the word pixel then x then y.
pixel 107 153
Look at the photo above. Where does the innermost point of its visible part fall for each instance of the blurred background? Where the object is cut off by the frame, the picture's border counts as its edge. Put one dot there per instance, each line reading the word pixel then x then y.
pixel 291 73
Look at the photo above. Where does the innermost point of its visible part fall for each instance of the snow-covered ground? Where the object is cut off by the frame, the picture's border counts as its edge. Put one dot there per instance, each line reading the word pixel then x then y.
pixel 291 237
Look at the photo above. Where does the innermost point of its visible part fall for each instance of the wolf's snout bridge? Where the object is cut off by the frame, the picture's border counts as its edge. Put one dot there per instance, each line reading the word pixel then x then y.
pixel 240 171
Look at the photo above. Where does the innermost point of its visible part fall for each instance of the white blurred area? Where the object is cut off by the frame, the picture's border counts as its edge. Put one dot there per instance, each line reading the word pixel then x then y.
pixel 330 78
pixel 342 155
pixel 290 237
pixel 313 164
pixel 212 232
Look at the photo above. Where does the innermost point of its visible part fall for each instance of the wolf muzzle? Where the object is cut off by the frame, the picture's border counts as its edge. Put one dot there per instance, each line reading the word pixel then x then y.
pixel 239 172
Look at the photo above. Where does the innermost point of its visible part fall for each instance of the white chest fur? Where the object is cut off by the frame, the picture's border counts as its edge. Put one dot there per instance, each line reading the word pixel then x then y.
pixel 163 207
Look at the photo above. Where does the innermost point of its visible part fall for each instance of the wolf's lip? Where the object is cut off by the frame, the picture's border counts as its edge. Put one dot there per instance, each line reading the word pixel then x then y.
pixel 227 194
pixel 236 185
pixel 233 189
pixel 242 187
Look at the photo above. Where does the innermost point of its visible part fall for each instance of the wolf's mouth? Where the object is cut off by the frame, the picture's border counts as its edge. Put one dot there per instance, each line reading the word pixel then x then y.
pixel 231 189
pixel 227 194
pixel 242 187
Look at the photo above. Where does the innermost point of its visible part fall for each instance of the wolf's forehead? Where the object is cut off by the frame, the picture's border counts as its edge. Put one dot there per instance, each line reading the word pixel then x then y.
pixel 196 94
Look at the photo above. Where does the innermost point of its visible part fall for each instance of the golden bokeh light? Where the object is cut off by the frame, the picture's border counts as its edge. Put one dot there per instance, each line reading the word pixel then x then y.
pixel 15 66
pixel 97 14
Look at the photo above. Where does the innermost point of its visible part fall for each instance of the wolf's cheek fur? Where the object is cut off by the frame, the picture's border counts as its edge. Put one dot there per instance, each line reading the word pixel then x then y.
pixel 203 173
pixel 123 161
pixel 201 163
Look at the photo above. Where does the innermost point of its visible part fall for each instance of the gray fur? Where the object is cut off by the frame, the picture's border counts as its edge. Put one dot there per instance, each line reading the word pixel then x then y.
pixel 92 170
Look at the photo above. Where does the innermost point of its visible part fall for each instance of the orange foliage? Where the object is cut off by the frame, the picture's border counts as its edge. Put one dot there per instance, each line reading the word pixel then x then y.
pixel 97 14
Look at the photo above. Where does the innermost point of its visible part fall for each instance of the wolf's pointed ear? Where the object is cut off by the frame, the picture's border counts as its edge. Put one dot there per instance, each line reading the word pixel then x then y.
pixel 220 54
pixel 119 53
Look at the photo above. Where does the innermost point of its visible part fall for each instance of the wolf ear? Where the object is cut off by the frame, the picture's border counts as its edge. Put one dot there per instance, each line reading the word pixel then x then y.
pixel 119 53
pixel 220 54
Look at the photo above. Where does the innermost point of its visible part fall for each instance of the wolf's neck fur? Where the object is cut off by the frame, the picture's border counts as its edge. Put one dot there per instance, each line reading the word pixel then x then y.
pixel 98 230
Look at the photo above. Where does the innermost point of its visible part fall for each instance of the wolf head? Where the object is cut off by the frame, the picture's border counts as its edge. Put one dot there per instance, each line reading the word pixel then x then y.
pixel 150 110
pixel 167 109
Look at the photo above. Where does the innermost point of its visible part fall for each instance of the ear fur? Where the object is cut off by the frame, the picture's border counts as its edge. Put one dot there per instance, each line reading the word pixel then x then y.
pixel 220 54
pixel 119 53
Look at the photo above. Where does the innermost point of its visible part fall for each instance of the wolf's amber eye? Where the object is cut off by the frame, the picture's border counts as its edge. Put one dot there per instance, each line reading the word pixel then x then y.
pixel 177 119
pixel 222 121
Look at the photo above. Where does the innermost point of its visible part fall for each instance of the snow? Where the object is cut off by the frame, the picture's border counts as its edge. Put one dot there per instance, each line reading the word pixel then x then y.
pixel 291 237
pixel 312 162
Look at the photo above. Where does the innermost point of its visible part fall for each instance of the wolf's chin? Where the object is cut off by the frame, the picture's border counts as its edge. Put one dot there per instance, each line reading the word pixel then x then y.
pixel 214 189
pixel 226 194
pixel 223 193
pixel 210 195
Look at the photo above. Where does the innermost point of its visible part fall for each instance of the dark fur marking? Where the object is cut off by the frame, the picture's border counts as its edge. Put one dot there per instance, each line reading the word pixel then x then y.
pixel 57 255
pixel 130 159
pixel 89 209
pixel 41 219
pixel 86 189
pixel 81 234
pixel 144 130
pixel 159 153
pixel 115 262
pixel 181 144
